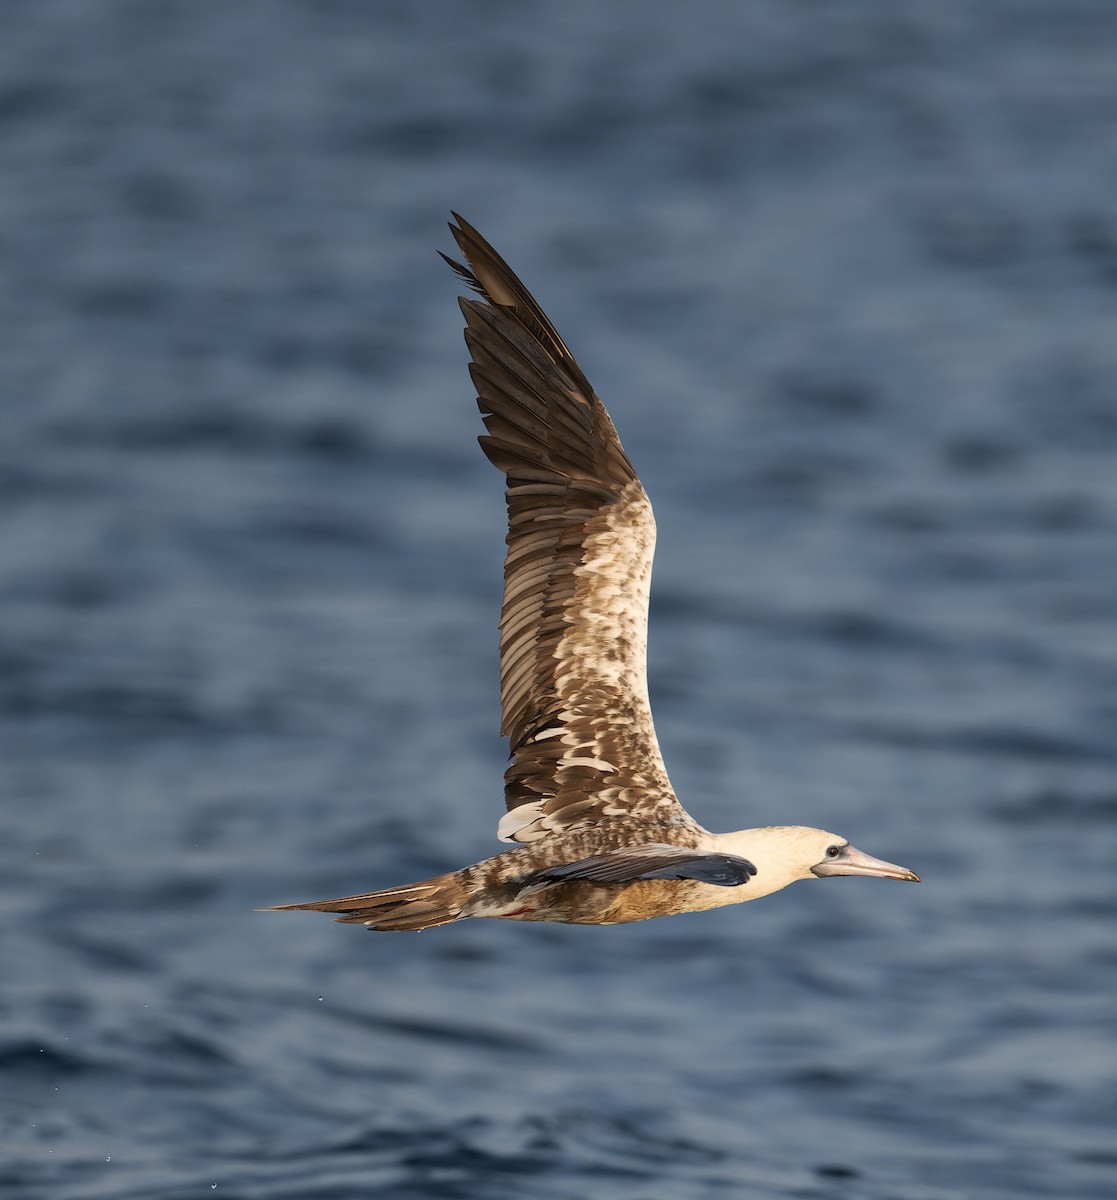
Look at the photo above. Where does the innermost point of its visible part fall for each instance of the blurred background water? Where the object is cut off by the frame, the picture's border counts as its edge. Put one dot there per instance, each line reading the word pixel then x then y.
pixel 846 275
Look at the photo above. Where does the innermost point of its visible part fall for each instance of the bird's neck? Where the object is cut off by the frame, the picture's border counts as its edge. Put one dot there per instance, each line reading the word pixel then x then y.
pixel 777 852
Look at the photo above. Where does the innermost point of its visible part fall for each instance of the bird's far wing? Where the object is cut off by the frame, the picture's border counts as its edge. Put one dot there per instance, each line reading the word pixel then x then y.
pixel 651 861
pixel 573 627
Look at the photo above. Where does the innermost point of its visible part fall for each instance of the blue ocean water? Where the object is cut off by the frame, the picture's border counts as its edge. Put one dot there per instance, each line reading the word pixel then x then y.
pixel 846 276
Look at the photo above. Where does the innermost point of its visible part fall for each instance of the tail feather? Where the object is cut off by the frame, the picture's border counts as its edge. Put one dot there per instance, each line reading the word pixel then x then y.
pixel 414 906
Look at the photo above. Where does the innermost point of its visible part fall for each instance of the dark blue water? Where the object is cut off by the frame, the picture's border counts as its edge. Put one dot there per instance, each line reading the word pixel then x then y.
pixel 846 275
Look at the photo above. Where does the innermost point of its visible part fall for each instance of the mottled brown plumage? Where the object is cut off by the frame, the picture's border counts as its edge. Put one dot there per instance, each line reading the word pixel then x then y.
pixel 581 536
pixel 603 838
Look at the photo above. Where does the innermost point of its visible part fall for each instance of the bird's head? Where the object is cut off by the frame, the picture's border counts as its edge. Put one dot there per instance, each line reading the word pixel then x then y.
pixel 785 853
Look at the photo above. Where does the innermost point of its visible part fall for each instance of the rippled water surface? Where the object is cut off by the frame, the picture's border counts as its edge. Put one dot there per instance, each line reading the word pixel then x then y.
pixel 847 277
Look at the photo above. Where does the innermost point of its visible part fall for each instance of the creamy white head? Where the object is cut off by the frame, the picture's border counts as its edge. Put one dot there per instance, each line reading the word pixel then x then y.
pixel 784 853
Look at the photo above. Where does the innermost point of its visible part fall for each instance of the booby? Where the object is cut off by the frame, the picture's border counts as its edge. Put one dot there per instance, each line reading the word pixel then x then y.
pixel 598 836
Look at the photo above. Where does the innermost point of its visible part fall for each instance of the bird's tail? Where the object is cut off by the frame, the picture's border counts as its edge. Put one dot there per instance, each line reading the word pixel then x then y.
pixel 436 901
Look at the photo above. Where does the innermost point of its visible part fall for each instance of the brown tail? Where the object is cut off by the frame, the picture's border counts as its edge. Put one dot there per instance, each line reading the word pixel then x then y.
pixel 436 901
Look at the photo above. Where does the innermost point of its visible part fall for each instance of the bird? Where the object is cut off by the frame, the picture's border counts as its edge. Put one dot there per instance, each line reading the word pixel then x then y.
pixel 596 833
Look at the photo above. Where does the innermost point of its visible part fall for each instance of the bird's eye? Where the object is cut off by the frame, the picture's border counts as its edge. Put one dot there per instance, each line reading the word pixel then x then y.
pixel 833 851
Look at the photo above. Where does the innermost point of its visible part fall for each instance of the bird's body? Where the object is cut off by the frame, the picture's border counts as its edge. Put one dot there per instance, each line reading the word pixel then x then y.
pixel 601 837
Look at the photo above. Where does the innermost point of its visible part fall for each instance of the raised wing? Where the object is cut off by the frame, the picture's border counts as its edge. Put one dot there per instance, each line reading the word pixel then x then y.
pixel 573 627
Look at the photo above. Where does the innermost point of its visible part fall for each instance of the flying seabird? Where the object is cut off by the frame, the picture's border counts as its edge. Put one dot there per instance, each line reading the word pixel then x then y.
pixel 598 835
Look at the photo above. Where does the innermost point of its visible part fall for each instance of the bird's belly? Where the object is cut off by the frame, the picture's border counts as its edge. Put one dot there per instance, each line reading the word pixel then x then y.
pixel 579 903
